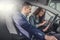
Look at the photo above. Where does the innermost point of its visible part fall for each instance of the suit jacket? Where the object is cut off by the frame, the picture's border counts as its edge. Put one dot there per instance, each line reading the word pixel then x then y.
pixel 25 28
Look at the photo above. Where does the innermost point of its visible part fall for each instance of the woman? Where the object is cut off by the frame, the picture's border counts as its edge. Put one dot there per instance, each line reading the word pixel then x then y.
pixel 37 19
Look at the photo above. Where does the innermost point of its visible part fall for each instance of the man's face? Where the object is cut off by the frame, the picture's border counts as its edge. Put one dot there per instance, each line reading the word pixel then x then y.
pixel 28 10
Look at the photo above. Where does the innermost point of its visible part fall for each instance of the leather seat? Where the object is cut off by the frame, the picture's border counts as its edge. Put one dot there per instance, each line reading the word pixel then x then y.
pixel 4 33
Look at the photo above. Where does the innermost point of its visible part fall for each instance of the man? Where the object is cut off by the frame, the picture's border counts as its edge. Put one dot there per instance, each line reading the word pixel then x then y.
pixel 26 29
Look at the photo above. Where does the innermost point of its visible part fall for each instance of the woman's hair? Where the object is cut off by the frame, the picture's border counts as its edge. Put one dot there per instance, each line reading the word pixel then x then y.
pixel 37 12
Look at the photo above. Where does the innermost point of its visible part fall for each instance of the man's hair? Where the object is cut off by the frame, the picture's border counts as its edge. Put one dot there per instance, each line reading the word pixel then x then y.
pixel 26 4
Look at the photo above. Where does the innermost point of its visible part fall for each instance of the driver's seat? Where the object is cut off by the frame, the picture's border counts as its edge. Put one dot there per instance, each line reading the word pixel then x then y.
pixel 4 33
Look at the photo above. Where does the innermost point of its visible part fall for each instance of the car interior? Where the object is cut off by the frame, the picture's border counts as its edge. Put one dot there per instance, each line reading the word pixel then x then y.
pixel 8 30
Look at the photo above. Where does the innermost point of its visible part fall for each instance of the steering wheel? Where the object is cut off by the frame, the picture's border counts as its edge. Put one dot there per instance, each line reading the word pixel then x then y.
pixel 58 28
pixel 52 22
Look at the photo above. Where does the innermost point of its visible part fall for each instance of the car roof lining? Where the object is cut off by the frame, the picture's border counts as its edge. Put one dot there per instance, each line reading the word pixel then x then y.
pixel 53 11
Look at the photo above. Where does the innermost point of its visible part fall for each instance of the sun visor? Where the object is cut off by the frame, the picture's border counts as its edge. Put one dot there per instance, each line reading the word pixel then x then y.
pixel 57 1
pixel 44 2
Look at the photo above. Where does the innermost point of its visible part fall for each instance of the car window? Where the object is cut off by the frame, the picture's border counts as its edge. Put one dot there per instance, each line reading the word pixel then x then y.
pixel 55 5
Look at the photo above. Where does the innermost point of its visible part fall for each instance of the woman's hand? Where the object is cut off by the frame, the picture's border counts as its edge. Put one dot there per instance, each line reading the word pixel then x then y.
pixel 44 22
pixel 41 24
pixel 45 29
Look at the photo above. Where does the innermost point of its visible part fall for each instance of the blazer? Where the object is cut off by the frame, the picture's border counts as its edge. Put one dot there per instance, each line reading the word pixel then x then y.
pixel 25 28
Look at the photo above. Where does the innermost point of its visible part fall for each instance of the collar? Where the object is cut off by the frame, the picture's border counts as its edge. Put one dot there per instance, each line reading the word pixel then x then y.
pixel 24 14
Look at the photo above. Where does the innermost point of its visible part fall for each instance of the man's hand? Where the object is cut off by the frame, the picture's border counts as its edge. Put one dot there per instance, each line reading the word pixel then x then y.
pixel 50 37
pixel 53 38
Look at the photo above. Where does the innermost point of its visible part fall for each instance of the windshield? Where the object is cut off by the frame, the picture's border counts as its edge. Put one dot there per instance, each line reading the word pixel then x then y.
pixel 55 4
